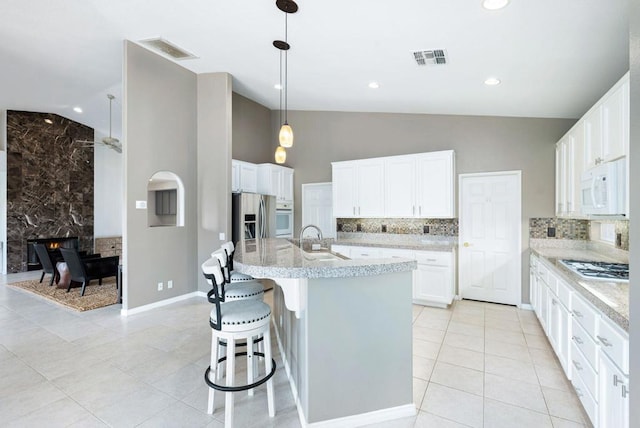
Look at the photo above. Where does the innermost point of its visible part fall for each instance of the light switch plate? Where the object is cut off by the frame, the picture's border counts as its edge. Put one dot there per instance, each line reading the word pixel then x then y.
pixel 141 205
pixel 222 236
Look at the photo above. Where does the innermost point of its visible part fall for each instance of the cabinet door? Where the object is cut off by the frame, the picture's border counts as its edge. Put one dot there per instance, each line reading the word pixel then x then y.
pixel 575 167
pixel 370 188
pixel 615 124
pixel 435 195
pixel 613 406
pixel 558 330
pixel 365 253
pixel 400 187
pixel 286 185
pixel 344 190
pixel 248 178
pixel 433 284
pixel 235 176
pixel 593 138
pixel 542 299
pixel 561 181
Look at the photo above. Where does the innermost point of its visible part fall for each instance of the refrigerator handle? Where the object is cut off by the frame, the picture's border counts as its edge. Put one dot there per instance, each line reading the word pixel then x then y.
pixel 261 218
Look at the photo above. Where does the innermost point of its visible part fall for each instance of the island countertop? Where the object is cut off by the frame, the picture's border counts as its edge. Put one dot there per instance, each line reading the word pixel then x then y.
pixel 279 258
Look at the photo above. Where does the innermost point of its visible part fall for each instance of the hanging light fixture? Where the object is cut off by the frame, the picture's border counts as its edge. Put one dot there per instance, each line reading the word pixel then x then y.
pixel 286 132
pixel 281 155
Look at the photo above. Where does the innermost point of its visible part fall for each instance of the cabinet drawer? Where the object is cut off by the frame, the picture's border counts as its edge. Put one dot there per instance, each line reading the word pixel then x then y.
pixel 585 315
pixel 564 294
pixel 581 367
pixel 588 402
pixel 585 343
pixel 435 258
pixel 614 344
pixel 543 272
pixel 393 253
pixel 365 253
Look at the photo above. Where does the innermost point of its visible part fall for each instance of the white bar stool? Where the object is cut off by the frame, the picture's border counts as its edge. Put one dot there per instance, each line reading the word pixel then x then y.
pixel 233 321
pixel 230 249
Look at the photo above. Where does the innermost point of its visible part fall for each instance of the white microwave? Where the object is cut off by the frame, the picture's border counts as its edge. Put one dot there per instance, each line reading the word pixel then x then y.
pixel 603 189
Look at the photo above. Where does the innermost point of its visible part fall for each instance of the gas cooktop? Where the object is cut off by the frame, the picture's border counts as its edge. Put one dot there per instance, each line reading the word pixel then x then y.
pixel 599 270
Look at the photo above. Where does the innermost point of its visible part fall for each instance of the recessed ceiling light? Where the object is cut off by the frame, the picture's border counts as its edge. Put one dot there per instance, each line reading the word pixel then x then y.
pixel 374 85
pixel 49 121
pixel 494 4
pixel 278 86
pixel 492 81
pixel 77 109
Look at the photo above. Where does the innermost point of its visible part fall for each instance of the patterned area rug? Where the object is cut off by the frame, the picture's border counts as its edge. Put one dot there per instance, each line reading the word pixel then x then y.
pixel 95 296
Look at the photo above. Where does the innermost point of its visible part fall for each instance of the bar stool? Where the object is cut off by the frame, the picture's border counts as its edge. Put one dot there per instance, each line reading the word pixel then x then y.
pixel 234 321
pixel 248 289
pixel 230 250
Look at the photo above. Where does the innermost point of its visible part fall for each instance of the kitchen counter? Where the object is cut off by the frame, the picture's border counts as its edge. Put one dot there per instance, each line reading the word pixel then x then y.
pixel 344 330
pixel 612 298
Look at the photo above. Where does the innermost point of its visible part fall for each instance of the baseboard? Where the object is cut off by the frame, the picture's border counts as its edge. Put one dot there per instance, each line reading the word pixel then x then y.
pixel 161 303
pixel 525 306
pixel 369 418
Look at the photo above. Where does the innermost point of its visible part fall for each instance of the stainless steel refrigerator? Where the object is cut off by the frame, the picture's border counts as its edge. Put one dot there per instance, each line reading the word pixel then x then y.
pixel 253 216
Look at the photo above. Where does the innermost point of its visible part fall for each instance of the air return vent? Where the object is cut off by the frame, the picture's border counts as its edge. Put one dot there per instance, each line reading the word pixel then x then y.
pixel 431 57
pixel 167 49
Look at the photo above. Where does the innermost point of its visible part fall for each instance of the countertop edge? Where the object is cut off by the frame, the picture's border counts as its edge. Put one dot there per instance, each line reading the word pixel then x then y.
pixel 571 279
pixel 437 246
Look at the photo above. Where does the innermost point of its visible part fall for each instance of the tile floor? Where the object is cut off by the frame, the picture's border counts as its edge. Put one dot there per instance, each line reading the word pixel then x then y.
pixel 475 365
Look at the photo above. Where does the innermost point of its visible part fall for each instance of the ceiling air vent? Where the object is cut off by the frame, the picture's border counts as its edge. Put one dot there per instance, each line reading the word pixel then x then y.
pixel 167 49
pixel 431 57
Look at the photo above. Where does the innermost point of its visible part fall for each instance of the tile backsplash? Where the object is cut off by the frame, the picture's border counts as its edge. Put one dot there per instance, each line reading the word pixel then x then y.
pixel 409 226
pixel 575 229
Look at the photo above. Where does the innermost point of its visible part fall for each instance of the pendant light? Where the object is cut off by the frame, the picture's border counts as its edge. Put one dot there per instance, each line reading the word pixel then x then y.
pixel 286 132
pixel 281 155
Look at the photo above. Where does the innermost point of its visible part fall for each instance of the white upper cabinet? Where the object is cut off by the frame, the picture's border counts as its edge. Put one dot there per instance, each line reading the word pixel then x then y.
pixel 569 168
pixel 276 180
pixel 606 126
pixel 420 186
pixel 358 188
pixel 244 177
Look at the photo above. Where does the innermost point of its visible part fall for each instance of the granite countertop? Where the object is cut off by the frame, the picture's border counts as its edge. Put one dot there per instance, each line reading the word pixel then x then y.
pixel 409 242
pixel 612 298
pixel 279 258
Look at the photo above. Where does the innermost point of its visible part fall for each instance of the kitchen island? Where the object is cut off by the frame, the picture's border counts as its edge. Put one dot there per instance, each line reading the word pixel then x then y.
pixel 344 330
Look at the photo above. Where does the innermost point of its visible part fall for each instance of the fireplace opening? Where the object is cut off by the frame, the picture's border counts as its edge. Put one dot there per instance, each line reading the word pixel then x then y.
pixel 53 245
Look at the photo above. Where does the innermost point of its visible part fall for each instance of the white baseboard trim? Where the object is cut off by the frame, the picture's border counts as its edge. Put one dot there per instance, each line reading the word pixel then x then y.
pixel 525 306
pixel 161 303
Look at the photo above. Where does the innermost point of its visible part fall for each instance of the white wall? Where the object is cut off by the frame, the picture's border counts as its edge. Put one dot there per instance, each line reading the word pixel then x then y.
pixel 108 192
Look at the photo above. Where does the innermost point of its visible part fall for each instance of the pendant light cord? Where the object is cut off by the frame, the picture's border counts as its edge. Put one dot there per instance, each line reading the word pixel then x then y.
pixel 286 68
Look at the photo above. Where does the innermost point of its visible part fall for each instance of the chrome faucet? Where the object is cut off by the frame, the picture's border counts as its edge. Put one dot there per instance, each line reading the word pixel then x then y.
pixel 307 227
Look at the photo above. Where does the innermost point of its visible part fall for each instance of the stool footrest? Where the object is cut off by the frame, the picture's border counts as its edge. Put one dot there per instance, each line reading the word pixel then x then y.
pixel 225 388
pixel 258 340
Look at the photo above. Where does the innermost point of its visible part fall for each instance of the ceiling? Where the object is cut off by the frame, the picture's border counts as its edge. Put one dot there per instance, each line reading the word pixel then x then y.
pixel 554 58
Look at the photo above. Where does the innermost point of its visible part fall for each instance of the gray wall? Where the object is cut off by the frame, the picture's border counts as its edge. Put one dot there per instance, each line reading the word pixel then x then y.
pixel 160 120
pixel 251 131
pixel 482 144
pixel 214 164
pixel 634 202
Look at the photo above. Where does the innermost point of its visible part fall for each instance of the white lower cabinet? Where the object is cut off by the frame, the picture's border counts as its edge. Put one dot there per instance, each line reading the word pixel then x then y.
pixel 593 351
pixel 433 280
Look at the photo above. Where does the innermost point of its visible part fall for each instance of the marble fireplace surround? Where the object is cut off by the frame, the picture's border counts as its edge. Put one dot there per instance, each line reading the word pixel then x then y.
pixel 49 183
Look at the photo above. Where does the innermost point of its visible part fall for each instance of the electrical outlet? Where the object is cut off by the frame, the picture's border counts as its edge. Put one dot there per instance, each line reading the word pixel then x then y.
pixel 222 236
pixel 551 232
pixel 170 283
pixel 160 286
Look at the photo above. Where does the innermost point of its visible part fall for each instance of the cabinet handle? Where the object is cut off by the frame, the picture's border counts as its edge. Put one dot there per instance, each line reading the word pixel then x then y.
pixel 577 340
pixel 420 210
pixel 354 210
pixel 578 314
pixel 569 207
pixel 413 210
pixel 604 341
pixel 577 365
pixel 616 380
pixel 358 210
pixel 625 391
pixel 554 302
pixel 431 260
pixel 578 393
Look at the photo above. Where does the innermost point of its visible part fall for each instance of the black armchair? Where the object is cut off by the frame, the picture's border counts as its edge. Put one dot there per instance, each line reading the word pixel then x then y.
pixel 48 265
pixel 85 270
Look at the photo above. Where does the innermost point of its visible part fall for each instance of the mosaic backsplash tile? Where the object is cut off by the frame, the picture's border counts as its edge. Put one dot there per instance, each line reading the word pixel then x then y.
pixel 622 231
pixel 558 228
pixel 408 226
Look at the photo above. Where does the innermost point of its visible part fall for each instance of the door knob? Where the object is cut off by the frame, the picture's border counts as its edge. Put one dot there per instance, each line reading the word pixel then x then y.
pixel 466 244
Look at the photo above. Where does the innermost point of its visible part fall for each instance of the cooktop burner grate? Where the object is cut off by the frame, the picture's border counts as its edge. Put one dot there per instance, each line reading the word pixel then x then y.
pixel 599 270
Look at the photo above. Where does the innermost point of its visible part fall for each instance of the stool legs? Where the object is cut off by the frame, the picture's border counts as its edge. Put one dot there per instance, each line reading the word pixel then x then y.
pixel 231 369
pixel 212 372
pixel 268 368
pixel 250 364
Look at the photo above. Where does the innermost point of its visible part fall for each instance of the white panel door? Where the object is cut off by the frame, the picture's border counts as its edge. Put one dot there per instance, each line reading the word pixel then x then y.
pixel 490 237
pixel 370 188
pixel 317 208
pixel 344 190
pixel 400 186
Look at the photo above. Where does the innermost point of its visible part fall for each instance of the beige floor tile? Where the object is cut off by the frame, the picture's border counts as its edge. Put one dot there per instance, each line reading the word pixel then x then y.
pixel 538 342
pixel 436 324
pixel 468 310
pixel 416 309
pixel 499 307
pixel 457 377
pixel 423 367
pixel 563 404
pixel 511 369
pixel 419 389
pixel 544 358
pixel 508 350
pixel 408 422
pixel 464 341
pixel 429 420
pixel 501 415
pixel 510 316
pixel 518 393
pixel 455 405
pixel 425 349
pixel 466 329
pixel 429 334
pixel 468 319
pixel 553 377
pixel 513 337
pixel 469 304
pixel 462 357
pixel 564 423
pixel 532 329
pixel 435 313
pixel 501 324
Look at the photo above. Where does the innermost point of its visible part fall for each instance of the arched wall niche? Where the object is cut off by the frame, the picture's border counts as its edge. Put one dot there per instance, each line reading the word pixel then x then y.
pixel 165 200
